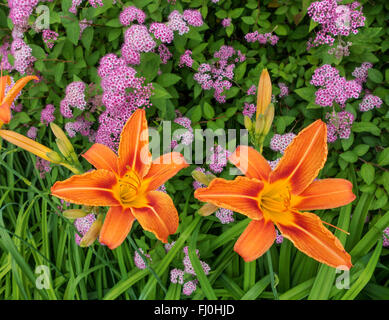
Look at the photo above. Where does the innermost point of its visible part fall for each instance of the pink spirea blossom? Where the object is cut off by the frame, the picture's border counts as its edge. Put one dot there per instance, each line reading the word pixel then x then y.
pixel 370 102
pixel 279 237
pixel 333 87
pixel 32 132
pixel 138 38
pixel 123 93
pixel 262 38
pixel 177 276
pixel 186 59
pixel 43 167
pixel 218 74
pixel 47 114
pixel 83 225
pixel 49 37
pixel 81 125
pixel 361 73
pixel 339 125
pixel 162 32
pixel 284 89
pixel 225 215
pixel 189 287
pixel 130 55
pixel 193 17
pixel 22 53
pixel 386 237
pixel 138 260
pixel 131 14
pixel 252 90
pixel 218 158
pixel 249 109
pixel 334 20
pixel 273 163
pixel 74 97
pixel 164 53
pixel 226 22
pixel 77 3
pixel 279 143
pixel 177 23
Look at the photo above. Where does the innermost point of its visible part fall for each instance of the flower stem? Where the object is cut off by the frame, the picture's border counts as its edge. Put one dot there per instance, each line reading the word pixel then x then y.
pixel 272 281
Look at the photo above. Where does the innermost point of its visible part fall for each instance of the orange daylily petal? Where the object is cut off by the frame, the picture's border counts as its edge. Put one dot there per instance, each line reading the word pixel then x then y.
pixel 91 189
pixel 4 82
pixel 251 163
pixel 163 168
pixel 240 195
pixel 256 239
pixel 134 145
pixel 5 108
pixel 102 157
pixel 324 194
pixel 308 234
pixel 117 225
pixel 159 217
pixel 303 158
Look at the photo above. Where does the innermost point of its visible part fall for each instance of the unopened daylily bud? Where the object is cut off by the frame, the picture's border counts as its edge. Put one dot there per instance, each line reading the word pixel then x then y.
pixel 269 116
pixel 248 123
pixel 74 213
pixel 207 209
pixel 93 232
pixel 200 177
pixel 259 124
pixel 64 144
pixel 264 92
pixel 54 157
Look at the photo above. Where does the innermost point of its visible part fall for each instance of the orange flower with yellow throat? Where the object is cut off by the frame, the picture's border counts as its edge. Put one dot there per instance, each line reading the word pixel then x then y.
pixel 282 196
pixel 127 183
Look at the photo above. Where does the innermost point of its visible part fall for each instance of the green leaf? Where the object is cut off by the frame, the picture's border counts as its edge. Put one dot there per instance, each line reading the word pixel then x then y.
pixel 168 79
pixel 383 157
pixel 367 173
pixel 375 75
pixel 349 156
pixel 366 127
pixel 248 20
pixel 208 111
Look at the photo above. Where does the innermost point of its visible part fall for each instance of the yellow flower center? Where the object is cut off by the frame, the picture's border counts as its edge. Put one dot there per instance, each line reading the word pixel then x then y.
pixel 129 186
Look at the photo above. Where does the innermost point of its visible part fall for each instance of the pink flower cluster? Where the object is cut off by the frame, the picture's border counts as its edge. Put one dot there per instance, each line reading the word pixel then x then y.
pixel 32 132
pixel 75 97
pixel 284 89
pixel 273 163
pixel 83 225
pixel 226 22
pixel 43 166
pixel 131 14
pixel 82 126
pixel 47 114
pixel 361 73
pixel 49 37
pixel 252 90
pixel 339 125
pixel 225 215
pixel 186 59
pixel 138 260
pixel 164 53
pixel 334 88
pixel 123 93
pixel 179 275
pixel 218 74
pixel 386 237
pixel 162 32
pixel 279 143
pixel 77 3
pixel 249 109
pixel 179 22
pixel 262 38
pixel 335 20
pixel 184 136
pixel 20 11
pixel 218 158
pixel 279 237
pixel 22 54
pixel 370 102
pixel 5 49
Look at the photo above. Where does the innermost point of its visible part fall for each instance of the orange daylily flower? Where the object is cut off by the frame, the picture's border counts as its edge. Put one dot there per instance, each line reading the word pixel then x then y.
pixel 6 100
pixel 278 198
pixel 127 183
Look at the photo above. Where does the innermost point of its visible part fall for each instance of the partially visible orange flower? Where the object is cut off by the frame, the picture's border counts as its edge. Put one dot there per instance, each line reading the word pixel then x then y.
pixel 278 198
pixel 127 183
pixel 7 100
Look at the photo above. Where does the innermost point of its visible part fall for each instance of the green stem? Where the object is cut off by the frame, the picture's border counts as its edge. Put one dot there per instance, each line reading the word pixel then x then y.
pixel 272 281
